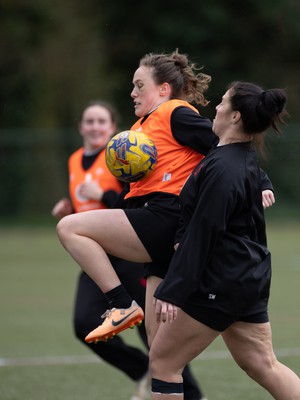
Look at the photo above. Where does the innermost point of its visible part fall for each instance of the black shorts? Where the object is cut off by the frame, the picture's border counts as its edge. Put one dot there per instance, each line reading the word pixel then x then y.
pixel 220 320
pixel 155 269
pixel 155 219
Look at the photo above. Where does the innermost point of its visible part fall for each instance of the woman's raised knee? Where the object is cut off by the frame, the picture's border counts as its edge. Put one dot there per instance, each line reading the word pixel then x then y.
pixel 64 228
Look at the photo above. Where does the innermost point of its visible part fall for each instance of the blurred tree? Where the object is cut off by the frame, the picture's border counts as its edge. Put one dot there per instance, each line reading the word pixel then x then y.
pixel 55 56
pixel 254 41
pixel 50 63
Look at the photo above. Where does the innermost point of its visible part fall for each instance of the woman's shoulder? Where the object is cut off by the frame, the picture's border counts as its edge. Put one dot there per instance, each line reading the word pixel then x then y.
pixel 174 104
pixel 234 151
pixel 231 160
pixel 77 153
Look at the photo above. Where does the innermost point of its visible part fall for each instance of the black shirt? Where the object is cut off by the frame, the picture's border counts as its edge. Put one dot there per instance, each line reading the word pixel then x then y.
pixel 222 260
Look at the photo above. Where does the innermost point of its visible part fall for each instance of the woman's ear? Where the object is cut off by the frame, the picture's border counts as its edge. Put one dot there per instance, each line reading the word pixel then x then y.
pixel 165 89
pixel 236 117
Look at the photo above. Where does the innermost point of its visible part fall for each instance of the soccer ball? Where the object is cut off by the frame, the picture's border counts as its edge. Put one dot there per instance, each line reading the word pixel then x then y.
pixel 131 156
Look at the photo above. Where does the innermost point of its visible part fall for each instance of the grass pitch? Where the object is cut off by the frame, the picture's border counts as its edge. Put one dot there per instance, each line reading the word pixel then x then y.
pixel 40 359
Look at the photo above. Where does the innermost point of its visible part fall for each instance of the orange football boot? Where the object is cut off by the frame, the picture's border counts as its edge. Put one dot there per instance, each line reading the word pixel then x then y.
pixel 116 321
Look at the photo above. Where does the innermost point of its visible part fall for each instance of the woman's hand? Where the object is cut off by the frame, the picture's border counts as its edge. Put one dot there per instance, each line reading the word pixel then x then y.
pixel 268 198
pixel 91 190
pixel 62 208
pixel 164 311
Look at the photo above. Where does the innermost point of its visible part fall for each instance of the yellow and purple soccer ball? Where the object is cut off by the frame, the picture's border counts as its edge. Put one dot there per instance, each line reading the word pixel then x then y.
pixel 131 156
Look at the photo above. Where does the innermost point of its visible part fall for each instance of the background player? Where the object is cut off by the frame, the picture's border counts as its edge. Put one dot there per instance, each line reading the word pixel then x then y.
pixel 92 186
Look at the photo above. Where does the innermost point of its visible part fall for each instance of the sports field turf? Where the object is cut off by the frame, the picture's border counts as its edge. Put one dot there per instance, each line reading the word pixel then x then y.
pixel 41 360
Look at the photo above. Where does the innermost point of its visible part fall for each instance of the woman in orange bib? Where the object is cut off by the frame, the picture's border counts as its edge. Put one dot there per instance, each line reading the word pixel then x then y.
pixel 93 187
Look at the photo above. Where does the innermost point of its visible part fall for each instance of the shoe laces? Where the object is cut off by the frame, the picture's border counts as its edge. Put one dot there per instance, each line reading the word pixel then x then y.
pixel 107 313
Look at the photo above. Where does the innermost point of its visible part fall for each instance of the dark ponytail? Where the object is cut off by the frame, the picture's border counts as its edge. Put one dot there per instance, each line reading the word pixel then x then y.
pixel 260 109
pixel 272 106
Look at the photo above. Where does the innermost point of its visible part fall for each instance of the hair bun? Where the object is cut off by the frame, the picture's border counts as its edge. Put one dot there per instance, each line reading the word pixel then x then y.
pixel 274 99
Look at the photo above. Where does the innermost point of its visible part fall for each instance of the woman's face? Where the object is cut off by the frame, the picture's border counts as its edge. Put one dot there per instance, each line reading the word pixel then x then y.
pixel 96 127
pixel 223 118
pixel 146 94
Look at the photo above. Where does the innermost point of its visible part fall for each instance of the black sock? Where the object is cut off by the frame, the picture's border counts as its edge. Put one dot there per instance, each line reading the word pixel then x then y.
pixel 118 297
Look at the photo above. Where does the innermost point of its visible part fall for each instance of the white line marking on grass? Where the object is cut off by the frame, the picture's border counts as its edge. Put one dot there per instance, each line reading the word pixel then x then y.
pixel 224 354
pixel 49 360
pixel 91 359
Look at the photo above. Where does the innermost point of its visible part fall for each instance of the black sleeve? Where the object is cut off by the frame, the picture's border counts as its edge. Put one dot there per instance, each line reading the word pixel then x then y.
pixel 120 200
pixel 180 231
pixel 265 181
pixel 191 129
pixel 109 198
pixel 197 244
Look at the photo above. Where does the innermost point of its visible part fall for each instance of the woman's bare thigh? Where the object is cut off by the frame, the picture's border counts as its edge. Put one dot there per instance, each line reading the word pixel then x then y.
pixel 112 230
pixel 176 344
pixel 249 342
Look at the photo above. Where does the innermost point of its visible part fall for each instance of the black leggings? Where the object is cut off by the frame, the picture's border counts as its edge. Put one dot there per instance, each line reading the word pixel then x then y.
pixel 90 304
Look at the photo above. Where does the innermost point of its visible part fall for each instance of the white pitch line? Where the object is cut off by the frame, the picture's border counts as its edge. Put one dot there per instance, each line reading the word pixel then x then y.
pixel 49 360
pixel 91 359
pixel 224 354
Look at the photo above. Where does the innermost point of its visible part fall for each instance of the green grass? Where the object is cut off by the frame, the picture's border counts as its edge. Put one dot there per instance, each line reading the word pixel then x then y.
pixel 37 284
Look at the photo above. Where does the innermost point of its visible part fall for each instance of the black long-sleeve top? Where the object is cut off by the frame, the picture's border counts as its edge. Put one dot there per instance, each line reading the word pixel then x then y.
pixel 222 260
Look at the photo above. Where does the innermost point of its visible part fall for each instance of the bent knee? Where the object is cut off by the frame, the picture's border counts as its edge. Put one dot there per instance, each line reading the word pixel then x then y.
pixel 64 228
pixel 158 365
pixel 164 368
pixel 79 330
pixel 257 367
pixel 81 327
